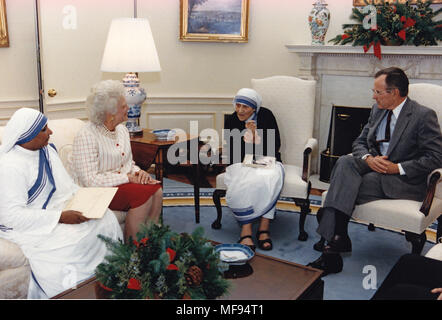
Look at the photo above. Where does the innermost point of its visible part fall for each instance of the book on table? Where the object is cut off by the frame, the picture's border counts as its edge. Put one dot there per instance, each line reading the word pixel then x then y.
pixel 91 202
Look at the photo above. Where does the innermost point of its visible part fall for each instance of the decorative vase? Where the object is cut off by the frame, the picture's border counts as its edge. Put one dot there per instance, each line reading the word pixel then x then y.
pixel 135 96
pixel 319 20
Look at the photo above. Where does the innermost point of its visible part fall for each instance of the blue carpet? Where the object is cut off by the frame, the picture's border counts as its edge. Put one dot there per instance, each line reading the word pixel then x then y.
pixel 379 250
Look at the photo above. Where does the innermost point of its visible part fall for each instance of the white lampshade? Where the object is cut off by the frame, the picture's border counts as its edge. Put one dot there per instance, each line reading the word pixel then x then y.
pixel 130 47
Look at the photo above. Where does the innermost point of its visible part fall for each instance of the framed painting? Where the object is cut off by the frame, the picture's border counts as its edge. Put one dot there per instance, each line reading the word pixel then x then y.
pixel 4 38
pixel 361 3
pixel 214 20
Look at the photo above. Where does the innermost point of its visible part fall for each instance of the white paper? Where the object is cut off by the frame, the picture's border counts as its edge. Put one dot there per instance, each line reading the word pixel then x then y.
pixel 232 255
pixel 91 202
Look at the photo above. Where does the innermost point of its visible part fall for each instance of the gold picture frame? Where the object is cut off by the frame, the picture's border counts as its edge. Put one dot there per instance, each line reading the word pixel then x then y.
pixel 361 3
pixel 4 38
pixel 214 20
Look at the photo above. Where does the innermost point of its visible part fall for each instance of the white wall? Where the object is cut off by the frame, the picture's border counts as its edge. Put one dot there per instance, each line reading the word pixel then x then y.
pixel 188 68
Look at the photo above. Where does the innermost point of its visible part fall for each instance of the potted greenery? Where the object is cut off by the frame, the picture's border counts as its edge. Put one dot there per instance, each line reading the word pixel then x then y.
pixel 161 264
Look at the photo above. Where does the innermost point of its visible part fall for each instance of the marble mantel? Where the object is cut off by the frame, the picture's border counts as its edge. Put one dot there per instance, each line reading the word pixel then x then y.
pixel 344 75
pixel 419 62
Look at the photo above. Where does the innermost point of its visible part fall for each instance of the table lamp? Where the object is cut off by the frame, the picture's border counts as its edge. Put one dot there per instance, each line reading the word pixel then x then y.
pixel 130 48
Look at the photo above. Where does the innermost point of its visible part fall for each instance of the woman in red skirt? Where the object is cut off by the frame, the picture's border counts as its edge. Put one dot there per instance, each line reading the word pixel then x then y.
pixel 102 157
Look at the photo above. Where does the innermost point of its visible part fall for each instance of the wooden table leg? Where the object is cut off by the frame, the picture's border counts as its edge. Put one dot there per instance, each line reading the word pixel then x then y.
pixel 196 190
pixel 159 165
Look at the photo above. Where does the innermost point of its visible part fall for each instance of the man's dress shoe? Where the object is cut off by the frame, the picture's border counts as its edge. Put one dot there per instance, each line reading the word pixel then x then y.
pixel 339 244
pixel 328 262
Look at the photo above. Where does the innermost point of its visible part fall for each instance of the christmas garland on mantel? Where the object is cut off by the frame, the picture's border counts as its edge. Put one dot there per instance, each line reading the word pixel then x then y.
pixel 397 24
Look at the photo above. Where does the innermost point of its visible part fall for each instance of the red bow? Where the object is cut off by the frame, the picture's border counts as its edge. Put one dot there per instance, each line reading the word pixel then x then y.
pixel 376 49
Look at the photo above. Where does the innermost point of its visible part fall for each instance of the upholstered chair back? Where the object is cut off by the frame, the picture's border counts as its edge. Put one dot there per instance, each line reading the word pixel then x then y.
pixel 292 101
pixel 429 95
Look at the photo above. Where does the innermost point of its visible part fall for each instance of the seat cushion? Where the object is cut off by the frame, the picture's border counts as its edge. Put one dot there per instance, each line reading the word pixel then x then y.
pixel 14 283
pixel 294 186
pixel 11 255
pixel 435 252
pixel 393 214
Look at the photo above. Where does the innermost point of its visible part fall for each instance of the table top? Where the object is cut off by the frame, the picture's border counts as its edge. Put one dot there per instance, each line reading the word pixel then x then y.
pixel 272 279
pixel 150 138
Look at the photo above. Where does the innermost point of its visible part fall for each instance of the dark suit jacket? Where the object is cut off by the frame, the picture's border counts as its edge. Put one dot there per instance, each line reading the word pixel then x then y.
pixel 416 144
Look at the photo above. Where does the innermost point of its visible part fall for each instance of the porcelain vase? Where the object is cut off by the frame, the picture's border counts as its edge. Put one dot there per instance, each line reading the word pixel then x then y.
pixel 319 20
pixel 135 96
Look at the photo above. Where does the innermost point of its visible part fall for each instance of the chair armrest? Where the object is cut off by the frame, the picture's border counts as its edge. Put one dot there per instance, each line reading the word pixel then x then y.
pixel 311 145
pixel 434 178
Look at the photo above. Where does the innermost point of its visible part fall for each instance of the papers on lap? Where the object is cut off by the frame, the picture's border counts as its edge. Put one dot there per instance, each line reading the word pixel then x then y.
pixel 91 202
pixel 259 162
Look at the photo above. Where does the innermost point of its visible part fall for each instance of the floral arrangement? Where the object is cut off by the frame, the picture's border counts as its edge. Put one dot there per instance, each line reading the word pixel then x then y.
pixel 161 264
pixel 397 24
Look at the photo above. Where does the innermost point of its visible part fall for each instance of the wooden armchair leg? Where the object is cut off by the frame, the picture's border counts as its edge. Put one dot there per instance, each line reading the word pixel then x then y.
pixel 439 228
pixel 417 241
pixel 305 209
pixel 217 194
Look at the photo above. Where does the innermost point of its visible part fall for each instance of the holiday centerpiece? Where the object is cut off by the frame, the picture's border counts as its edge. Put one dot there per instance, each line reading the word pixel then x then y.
pixel 394 23
pixel 161 264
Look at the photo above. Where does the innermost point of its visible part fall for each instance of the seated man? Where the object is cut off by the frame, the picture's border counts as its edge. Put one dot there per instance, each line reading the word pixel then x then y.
pixel 62 246
pixel 396 150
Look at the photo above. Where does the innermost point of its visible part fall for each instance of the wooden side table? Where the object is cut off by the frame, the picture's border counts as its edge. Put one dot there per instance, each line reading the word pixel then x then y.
pixel 147 150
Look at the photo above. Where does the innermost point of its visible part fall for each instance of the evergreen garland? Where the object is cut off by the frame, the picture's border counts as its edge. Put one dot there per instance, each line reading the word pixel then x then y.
pixel 161 264
pixel 397 24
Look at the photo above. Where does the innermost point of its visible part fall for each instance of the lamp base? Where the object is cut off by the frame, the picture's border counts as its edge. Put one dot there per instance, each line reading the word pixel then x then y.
pixel 134 134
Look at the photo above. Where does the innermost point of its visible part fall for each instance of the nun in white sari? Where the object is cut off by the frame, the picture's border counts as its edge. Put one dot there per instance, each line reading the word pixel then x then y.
pixel 62 246
pixel 252 193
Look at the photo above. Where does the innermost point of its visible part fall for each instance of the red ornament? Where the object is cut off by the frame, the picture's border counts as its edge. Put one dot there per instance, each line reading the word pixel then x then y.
pixel 134 284
pixel 144 241
pixel 345 36
pixel 104 287
pixel 403 19
pixel 409 23
pixel 172 267
pixel 402 34
pixel 171 253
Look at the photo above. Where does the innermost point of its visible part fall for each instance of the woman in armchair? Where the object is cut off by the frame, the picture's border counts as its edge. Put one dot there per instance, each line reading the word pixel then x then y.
pixel 102 157
pixel 252 192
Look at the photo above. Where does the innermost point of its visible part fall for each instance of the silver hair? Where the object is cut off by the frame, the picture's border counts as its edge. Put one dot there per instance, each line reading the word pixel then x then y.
pixel 104 99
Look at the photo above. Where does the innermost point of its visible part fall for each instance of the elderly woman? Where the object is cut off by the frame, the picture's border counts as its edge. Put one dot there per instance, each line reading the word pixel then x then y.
pixel 102 157
pixel 252 192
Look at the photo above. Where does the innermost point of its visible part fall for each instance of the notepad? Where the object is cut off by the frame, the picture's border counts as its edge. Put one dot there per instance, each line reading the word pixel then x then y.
pixel 91 202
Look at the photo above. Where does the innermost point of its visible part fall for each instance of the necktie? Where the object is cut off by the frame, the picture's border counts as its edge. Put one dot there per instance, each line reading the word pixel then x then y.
pixel 387 127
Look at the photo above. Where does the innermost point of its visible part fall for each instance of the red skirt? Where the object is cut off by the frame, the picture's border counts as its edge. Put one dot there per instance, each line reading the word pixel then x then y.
pixel 132 195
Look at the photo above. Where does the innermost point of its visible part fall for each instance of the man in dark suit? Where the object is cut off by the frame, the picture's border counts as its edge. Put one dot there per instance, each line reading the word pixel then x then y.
pixel 391 159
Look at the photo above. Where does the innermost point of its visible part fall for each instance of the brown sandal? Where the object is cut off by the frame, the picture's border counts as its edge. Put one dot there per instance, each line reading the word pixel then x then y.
pixel 251 246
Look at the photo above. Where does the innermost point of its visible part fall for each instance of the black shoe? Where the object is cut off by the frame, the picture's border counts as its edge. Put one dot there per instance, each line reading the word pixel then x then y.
pixel 338 244
pixel 328 262
pixel 262 243
pixel 251 246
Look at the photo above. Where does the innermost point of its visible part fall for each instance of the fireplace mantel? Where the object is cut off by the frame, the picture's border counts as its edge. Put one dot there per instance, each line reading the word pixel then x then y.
pixel 423 62
pixel 358 50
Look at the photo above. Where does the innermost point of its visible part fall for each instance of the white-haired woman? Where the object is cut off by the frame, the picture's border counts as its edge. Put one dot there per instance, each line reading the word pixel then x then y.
pixel 252 193
pixel 102 157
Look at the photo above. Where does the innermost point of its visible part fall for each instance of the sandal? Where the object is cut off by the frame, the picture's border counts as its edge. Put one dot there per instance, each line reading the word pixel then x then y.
pixel 251 246
pixel 261 243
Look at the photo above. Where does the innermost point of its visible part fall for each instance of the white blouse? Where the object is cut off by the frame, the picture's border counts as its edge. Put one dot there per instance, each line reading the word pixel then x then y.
pixel 102 158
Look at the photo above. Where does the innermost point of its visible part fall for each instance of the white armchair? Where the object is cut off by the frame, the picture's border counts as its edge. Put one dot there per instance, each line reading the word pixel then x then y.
pixel 412 217
pixel 292 101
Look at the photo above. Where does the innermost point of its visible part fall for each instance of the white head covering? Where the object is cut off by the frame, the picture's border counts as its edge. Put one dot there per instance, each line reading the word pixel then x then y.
pixel 250 98
pixel 24 125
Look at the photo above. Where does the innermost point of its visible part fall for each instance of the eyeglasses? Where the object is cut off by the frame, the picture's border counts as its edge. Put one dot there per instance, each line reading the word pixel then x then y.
pixel 377 92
